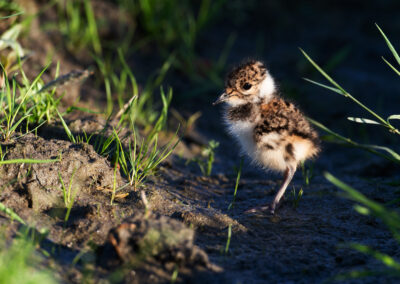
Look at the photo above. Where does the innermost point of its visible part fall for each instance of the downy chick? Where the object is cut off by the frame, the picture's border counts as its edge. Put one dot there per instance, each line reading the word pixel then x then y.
pixel 271 130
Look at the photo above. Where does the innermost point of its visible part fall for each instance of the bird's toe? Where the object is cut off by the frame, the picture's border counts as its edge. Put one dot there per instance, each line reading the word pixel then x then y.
pixel 257 209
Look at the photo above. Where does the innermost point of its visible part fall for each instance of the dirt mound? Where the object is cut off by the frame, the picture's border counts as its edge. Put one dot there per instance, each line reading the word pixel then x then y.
pixel 71 197
pixel 155 245
pixel 35 191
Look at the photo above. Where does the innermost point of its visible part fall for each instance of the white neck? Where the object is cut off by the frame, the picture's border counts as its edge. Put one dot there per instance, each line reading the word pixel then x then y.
pixel 267 88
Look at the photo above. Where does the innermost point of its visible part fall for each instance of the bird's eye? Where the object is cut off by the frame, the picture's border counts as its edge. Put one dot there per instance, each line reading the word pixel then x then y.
pixel 246 86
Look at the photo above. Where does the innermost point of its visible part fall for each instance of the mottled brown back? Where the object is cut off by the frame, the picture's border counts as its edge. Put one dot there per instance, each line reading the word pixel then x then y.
pixel 284 117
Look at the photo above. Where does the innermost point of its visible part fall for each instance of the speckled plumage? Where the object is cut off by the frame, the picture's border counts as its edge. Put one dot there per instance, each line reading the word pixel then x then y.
pixel 271 130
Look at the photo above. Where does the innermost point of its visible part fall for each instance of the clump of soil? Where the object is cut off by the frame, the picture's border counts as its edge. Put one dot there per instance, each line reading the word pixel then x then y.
pixel 156 245
pixel 153 245
pixel 35 191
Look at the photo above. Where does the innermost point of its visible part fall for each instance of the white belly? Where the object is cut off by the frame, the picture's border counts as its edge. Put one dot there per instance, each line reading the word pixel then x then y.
pixel 271 159
pixel 268 159
pixel 243 132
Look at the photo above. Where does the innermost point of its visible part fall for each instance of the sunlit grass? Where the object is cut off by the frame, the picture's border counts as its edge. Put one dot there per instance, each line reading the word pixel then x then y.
pixel 144 155
pixel 14 108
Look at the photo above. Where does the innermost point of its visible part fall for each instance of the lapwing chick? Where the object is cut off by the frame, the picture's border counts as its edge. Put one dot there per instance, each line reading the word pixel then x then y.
pixel 270 129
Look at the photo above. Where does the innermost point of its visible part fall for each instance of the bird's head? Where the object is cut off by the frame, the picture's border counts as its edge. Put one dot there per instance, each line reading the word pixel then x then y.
pixel 250 82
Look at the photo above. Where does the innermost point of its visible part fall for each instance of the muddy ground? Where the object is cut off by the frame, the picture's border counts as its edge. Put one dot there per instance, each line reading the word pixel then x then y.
pixel 300 244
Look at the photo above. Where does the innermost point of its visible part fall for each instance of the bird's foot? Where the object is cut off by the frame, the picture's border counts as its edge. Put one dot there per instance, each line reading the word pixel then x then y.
pixel 269 208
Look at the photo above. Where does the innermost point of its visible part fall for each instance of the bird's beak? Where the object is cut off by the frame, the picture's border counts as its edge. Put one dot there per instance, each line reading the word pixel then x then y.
pixel 221 99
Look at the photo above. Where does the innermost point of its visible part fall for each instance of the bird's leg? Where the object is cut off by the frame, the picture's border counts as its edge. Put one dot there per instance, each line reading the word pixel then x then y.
pixel 289 173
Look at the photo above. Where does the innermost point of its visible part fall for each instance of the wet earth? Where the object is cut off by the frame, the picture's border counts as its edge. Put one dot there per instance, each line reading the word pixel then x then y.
pixel 193 229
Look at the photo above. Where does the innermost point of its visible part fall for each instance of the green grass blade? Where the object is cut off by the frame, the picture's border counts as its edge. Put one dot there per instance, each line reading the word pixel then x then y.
pixel 69 207
pixel 12 15
pixel 363 120
pixel 369 148
pixel 228 241
pixel 392 49
pixel 28 161
pixel 14 127
pixel 394 116
pixel 9 212
pixel 324 86
pixel 391 66
pixel 323 73
pixel 231 205
pixel 343 92
pixel 125 66
pixel 92 27
pixel 357 274
pixel 384 258
pixel 82 109
pixel 390 218
pixel 63 188
pixel 386 149
pixel 69 133
pixel 352 193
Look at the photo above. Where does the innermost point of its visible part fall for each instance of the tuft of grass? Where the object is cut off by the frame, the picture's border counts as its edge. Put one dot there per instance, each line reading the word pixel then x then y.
pixel 68 194
pixel 85 139
pixel 296 197
pixel 144 155
pixel 208 153
pixel 14 109
pixel 30 103
pixel 141 108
